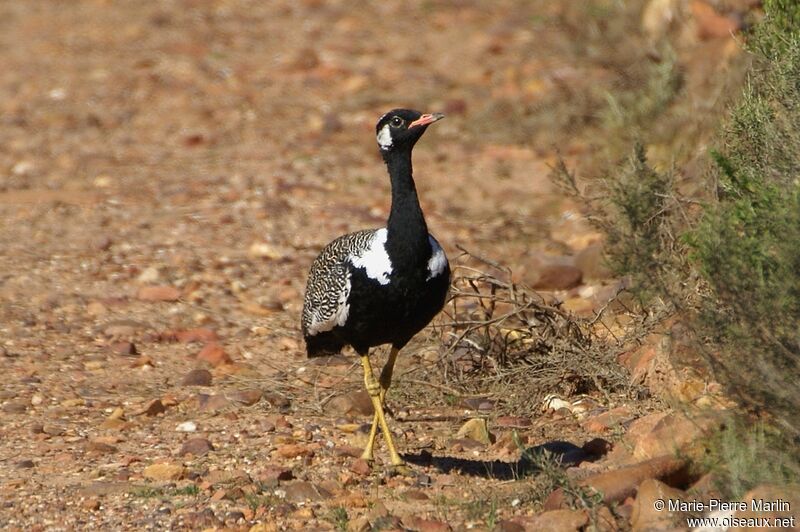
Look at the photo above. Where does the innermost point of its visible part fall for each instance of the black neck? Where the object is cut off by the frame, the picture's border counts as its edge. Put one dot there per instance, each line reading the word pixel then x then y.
pixel 407 231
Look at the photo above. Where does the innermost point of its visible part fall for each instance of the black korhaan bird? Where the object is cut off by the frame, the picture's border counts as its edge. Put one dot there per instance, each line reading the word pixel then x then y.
pixel 380 286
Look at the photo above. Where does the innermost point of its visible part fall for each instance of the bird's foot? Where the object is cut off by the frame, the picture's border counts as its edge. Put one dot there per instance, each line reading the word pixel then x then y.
pixel 368 456
pixel 401 470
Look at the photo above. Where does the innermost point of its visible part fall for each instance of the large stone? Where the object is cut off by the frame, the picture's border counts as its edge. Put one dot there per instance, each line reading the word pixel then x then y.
pixel 675 433
pixel 159 293
pixel 646 516
pixel 608 420
pixel 712 25
pixel 558 277
pixel 778 504
pixel 301 491
pixel 293 450
pixel 245 397
pixel 196 447
pixel 201 335
pixel 153 408
pixel 592 263
pixel 164 472
pixel 197 377
pixel 476 429
pixel 214 354
pixel 618 484
pixel 562 520
pixel 356 403
pixel 361 467
pixel 123 349
pixel 271 475
pixel 212 403
pixel 425 525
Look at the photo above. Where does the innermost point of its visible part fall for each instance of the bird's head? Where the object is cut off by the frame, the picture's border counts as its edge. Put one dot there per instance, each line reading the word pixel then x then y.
pixel 400 129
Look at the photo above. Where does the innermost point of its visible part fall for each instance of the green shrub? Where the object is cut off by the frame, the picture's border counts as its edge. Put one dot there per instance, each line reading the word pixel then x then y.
pixel 742 456
pixel 730 263
pixel 747 242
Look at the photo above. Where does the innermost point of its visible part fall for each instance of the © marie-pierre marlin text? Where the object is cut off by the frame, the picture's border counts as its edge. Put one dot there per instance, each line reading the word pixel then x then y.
pixel 755 505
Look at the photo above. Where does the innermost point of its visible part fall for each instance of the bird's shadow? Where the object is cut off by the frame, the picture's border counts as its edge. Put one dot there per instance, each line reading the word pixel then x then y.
pixel 563 453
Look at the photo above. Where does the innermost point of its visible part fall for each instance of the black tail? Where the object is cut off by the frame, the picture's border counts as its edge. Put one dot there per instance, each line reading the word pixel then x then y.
pixel 323 344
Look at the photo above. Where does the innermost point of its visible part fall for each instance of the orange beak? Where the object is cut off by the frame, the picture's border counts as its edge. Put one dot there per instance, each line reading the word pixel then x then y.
pixel 426 119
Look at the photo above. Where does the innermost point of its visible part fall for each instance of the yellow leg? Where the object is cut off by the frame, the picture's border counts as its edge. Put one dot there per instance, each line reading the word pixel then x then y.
pixel 385 381
pixel 374 391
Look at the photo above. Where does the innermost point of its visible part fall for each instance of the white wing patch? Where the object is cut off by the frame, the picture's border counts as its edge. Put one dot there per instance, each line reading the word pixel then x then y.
pixel 385 138
pixel 438 261
pixel 374 259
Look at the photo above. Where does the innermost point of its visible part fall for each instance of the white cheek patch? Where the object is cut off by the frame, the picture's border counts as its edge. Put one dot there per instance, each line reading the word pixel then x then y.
pixel 438 261
pixel 375 259
pixel 385 138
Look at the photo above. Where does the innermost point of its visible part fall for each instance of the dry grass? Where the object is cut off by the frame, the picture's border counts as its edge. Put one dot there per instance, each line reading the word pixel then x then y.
pixel 504 339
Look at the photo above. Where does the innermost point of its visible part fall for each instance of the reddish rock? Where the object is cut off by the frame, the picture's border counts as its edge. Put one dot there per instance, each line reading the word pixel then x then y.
pixel 214 355
pixel 707 487
pixel 561 520
pixel 361 467
pixel 675 433
pixel 99 447
pixel 91 504
pixel 142 361
pixel 301 492
pixel 153 408
pixel 293 450
pixel 642 426
pixel 509 525
pixel 218 477
pixel 356 403
pixel 639 362
pixel 196 447
pixel 606 421
pixel 461 444
pixel 558 277
pixel 159 293
pixel 415 495
pixel 773 503
pixel 513 422
pixel 592 263
pixel 281 422
pixel 164 472
pixel 646 517
pixel 425 525
pixel 123 349
pixel 212 403
pixel 710 24
pixel 481 404
pixel 15 407
pixel 201 335
pixel 245 397
pixel 197 377
pixel 272 475
pixel 349 450
pixel 617 484
pixel 53 430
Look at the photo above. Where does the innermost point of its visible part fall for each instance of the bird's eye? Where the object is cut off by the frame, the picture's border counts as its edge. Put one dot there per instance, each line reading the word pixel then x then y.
pixel 396 121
